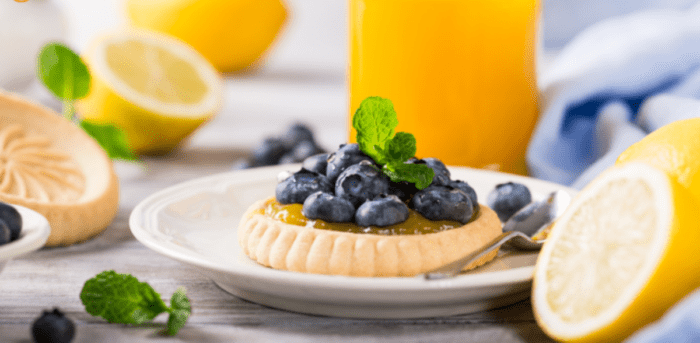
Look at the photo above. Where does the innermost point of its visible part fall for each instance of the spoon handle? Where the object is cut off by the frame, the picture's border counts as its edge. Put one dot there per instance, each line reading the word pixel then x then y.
pixel 454 268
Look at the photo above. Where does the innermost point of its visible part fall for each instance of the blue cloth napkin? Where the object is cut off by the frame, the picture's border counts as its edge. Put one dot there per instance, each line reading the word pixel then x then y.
pixel 680 324
pixel 611 85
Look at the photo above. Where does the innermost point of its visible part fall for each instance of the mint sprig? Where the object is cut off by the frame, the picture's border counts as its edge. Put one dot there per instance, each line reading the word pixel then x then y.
pixel 63 72
pixel 375 121
pixel 122 298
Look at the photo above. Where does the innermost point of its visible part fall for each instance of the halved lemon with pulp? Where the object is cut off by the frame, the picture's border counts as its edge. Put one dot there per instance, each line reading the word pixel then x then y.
pixel 623 252
pixel 155 88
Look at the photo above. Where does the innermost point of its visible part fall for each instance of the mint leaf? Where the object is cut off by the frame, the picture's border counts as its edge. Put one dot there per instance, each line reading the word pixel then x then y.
pixel 180 301
pixel 180 311
pixel 419 174
pixel 111 139
pixel 176 321
pixel 375 121
pixel 121 298
pixel 400 148
pixel 63 72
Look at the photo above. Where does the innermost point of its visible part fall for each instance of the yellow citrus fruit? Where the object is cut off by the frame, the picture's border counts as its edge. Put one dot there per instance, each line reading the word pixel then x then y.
pixel 674 148
pixel 155 88
pixel 623 252
pixel 232 34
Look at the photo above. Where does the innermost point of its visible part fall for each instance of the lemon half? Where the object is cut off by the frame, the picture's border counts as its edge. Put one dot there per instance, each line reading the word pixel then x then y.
pixel 155 88
pixel 623 252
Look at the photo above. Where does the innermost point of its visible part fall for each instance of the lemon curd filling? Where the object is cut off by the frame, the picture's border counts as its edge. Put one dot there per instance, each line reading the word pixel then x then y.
pixel 416 224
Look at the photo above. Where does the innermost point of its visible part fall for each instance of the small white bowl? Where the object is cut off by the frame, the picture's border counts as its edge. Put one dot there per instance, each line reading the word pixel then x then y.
pixel 35 232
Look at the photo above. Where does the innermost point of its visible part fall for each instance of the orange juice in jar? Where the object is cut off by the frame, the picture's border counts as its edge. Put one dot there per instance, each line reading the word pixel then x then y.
pixel 461 74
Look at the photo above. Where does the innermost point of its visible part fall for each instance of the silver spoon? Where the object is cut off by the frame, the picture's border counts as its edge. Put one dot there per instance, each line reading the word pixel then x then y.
pixel 517 232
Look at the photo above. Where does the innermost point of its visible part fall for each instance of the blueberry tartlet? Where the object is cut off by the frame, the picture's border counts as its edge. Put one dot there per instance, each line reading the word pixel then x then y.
pixel 369 209
pixel 348 218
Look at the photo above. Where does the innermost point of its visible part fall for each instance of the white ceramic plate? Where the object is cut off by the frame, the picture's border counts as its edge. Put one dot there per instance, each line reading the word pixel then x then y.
pixel 196 223
pixel 35 232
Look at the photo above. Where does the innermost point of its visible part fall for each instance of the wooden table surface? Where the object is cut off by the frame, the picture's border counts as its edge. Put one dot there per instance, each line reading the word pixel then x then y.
pixel 53 277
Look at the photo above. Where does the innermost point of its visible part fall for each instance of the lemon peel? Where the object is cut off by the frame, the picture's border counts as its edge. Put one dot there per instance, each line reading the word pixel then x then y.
pixel 231 34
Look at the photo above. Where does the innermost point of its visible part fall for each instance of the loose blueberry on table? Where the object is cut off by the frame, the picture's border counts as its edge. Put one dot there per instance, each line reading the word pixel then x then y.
pixel 10 223
pixel 53 327
pixel 293 146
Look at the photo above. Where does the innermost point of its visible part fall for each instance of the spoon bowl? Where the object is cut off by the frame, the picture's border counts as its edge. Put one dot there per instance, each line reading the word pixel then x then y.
pixel 518 232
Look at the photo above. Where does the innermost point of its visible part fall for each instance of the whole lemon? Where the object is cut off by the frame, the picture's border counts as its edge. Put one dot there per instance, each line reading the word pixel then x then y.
pixel 231 34
pixel 673 148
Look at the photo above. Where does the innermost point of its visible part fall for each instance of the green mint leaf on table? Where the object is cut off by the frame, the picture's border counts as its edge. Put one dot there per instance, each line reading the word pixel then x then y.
pixel 374 121
pixel 180 301
pixel 176 321
pixel 122 298
pixel 112 140
pixel 181 310
pixel 419 174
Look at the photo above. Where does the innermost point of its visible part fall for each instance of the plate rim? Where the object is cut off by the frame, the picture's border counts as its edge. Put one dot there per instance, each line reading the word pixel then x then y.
pixel 34 234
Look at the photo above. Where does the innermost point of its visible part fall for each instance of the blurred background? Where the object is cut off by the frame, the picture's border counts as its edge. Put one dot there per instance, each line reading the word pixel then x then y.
pixel 304 75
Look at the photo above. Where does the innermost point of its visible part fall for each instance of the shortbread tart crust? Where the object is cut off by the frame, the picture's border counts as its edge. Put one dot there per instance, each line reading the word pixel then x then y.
pixel 305 249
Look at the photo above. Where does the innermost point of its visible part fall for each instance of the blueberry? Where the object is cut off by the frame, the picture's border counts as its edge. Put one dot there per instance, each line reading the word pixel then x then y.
pixel 300 185
pixel 466 188
pixel 443 203
pixel 404 190
pixel 5 233
pixel 508 198
pixel 53 327
pixel 442 175
pixel 345 156
pixel 300 152
pixel 12 218
pixel 316 163
pixel 268 153
pixel 384 210
pixel 296 134
pixel 361 182
pixel 328 207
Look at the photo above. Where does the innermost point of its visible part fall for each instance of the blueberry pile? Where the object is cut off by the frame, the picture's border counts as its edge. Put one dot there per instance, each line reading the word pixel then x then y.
pixel 54 327
pixel 507 198
pixel 348 186
pixel 10 223
pixel 294 146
